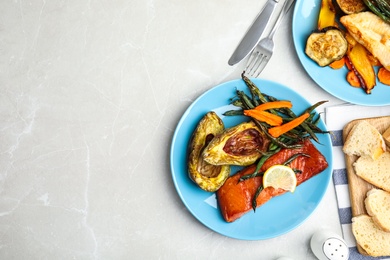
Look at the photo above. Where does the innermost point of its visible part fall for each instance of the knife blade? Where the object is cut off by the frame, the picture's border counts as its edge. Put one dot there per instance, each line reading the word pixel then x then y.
pixel 254 33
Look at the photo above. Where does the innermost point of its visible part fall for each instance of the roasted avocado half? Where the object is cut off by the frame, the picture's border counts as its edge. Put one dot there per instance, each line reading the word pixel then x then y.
pixel 240 145
pixel 207 176
pixel 326 46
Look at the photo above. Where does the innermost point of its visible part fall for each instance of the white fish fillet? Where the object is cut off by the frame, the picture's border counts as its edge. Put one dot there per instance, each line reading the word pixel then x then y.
pixel 372 32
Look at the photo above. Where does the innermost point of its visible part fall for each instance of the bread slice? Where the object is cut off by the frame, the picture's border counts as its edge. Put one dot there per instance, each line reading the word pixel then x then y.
pixel 386 136
pixel 377 204
pixel 364 139
pixel 376 172
pixel 373 240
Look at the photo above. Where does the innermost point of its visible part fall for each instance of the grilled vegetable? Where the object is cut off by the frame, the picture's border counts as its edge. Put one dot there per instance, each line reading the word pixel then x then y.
pixel 208 177
pixel 384 76
pixel 351 6
pixel 274 104
pixel 361 65
pixel 337 64
pixel 326 46
pixel 241 145
pixel 264 116
pixel 353 79
pixel 279 130
pixel 379 7
pixel 327 15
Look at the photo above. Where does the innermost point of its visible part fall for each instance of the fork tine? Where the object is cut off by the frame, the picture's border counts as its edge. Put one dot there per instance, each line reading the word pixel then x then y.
pixel 251 62
pixel 261 62
pixel 257 61
pixel 261 66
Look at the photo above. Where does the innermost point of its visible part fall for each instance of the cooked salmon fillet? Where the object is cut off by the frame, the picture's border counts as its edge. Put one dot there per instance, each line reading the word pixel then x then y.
pixel 372 32
pixel 235 198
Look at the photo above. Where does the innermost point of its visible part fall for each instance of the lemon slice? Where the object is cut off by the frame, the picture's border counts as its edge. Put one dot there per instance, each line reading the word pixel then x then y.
pixel 280 176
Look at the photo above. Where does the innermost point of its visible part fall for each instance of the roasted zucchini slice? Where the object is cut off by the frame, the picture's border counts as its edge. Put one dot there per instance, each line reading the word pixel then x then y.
pixel 326 46
pixel 240 145
pixel 208 177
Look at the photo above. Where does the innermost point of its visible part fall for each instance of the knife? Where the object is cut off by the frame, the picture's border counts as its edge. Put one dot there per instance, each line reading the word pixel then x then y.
pixel 253 35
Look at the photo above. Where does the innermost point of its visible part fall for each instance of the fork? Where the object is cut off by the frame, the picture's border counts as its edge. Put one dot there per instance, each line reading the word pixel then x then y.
pixel 264 50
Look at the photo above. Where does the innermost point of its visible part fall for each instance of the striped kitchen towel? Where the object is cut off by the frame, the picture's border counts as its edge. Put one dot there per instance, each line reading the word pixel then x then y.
pixel 336 118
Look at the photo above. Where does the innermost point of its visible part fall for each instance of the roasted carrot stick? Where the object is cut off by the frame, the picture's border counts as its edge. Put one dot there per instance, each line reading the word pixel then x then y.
pixel 274 104
pixel 384 76
pixel 352 79
pixel 337 64
pixel 263 116
pixel 279 130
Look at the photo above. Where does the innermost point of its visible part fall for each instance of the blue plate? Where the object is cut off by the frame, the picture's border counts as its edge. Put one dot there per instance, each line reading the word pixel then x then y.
pixel 305 19
pixel 276 217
